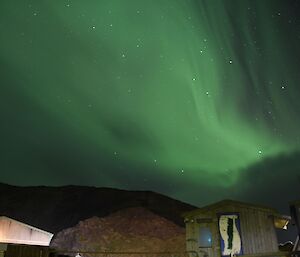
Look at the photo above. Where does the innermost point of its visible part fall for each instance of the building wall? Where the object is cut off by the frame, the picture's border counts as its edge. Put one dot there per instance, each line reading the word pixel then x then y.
pixel 192 237
pixel 257 230
pixel 3 248
pixel 27 251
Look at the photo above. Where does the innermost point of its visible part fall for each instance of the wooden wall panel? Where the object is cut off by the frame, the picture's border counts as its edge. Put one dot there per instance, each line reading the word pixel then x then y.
pixel 257 230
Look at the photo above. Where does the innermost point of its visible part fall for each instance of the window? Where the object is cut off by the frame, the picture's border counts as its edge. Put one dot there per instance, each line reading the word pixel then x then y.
pixel 205 237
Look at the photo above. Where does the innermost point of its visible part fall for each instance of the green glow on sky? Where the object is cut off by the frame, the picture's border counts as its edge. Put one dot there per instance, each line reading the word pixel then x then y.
pixel 194 87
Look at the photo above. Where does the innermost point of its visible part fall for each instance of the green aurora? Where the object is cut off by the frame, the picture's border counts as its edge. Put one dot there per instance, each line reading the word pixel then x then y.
pixel 174 89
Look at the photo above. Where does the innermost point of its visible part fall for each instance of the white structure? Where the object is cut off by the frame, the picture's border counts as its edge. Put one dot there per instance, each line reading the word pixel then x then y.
pixel 233 247
pixel 15 232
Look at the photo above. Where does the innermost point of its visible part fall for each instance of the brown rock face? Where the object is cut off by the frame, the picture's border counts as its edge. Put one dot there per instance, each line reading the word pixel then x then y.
pixel 128 230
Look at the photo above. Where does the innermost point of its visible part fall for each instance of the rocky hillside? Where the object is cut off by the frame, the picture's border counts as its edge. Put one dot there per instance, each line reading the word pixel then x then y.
pixel 128 230
pixel 57 208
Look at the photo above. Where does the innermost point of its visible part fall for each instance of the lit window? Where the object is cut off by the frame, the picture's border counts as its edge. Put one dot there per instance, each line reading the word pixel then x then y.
pixel 205 237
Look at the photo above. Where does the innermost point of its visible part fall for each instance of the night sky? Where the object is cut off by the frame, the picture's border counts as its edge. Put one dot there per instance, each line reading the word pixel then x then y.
pixel 195 99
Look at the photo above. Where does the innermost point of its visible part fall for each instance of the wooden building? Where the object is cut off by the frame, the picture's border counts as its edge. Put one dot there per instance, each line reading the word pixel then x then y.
pixel 18 239
pixel 295 213
pixel 229 228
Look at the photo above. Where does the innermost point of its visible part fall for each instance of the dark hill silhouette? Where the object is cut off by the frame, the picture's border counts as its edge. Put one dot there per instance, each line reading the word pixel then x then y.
pixel 56 208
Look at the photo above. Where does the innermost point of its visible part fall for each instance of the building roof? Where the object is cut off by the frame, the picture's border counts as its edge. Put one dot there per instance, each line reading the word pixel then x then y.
pixel 280 221
pixel 26 225
pixel 297 202
pixel 16 232
pixel 227 202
